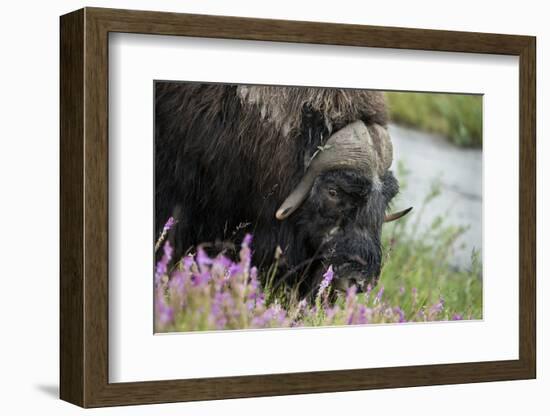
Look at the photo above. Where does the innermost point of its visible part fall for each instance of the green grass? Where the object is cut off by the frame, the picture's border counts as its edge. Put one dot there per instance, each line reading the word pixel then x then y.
pixel 458 117
pixel 421 260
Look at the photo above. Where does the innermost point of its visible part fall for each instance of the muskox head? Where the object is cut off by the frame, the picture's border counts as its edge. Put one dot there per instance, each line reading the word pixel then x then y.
pixel 340 202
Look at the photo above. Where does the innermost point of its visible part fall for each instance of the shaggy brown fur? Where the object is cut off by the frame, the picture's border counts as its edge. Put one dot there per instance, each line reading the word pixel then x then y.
pixel 230 154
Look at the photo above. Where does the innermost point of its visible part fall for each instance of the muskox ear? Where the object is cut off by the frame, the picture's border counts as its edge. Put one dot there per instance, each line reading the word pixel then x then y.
pixel 397 215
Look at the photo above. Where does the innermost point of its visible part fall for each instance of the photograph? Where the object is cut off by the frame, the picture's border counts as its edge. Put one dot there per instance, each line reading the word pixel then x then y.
pixel 299 206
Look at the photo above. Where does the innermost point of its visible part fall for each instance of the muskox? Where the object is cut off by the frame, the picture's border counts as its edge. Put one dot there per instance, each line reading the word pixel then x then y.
pixel 305 170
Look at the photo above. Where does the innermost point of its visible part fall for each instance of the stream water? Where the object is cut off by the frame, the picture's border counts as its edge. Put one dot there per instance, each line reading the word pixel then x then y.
pixel 429 159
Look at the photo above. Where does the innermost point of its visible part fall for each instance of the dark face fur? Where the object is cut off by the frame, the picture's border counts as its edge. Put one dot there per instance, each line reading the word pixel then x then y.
pixel 341 222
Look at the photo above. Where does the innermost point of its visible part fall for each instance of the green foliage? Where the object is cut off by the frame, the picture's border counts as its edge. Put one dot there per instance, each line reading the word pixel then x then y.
pixel 420 261
pixel 458 117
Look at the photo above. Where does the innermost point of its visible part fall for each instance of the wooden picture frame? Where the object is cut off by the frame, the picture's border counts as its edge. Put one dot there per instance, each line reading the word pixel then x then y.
pixel 84 207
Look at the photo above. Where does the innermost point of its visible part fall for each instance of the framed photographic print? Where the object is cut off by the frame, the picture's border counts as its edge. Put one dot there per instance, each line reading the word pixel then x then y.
pixel 262 207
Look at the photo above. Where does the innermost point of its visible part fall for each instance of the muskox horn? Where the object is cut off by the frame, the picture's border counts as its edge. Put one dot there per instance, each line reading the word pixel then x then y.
pixel 352 147
pixel 397 215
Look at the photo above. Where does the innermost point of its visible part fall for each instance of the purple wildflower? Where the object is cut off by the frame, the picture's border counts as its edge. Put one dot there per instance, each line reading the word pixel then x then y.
pixel 246 253
pixel 351 294
pixel 281 317
pixel 162 265
pixel 223 262
pixel 188 262
pixel 221 302
pixel 169 224
pixel 235 269
pixel 177 281
pixel 253 285
pixel 368 292
pixel 201 279
pixel 362 315
pixel 330 313
pixel 164 312
pixel 437 308
pixel 260 300
pixel 264 320
pixel 203 260
pixel 379 295
pixel 327 279
pixel 400 313
pixel 247 240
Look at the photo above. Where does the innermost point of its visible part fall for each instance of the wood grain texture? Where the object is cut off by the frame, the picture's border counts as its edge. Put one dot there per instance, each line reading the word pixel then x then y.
pixel 225 27
pixel 528 208
pixel 71 100
pixel 96 209
pixel 84 207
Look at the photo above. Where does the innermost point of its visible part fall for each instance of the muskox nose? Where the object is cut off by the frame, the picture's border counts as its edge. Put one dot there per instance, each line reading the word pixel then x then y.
pixel 359 280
